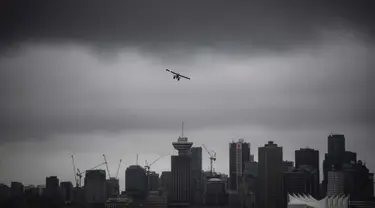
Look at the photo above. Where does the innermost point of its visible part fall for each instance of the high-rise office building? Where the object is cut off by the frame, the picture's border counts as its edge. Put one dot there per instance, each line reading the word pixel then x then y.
pixel 16 189
pixel 52 187
pixel 136 182
pixel 95 187
pixel 358 181
pixel 336 144
pixel 336 157
pixel 4 192
pixel 239 154
pixel 166 180
pixel 153 181
pixel 67 191
pixel 300 181
pixel 181 173
pixel 336 183
pixel 310 157
pixel 196 174
pixel 270 175
pixel 113 187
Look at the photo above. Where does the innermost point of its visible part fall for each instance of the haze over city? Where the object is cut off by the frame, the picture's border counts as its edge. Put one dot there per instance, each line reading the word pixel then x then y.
pixel 91 80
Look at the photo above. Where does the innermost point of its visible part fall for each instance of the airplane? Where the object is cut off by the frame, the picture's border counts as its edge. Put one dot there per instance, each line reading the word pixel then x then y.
pixel 177 75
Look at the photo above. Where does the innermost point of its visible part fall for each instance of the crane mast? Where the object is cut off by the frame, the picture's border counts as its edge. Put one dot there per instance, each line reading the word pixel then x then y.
pixel 212 158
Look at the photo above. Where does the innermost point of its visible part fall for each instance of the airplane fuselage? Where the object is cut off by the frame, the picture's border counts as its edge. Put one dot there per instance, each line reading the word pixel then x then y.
pixel 176 77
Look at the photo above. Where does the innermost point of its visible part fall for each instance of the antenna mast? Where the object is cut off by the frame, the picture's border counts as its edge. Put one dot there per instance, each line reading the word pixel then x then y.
pixel 137 160
pixel 182 133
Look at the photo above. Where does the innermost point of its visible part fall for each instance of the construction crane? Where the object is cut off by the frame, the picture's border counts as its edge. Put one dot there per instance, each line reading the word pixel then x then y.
pixel 106 164
pixel 74 171
pixel 118 169
pixel 147 167
pixel 78 174
pixel 212 157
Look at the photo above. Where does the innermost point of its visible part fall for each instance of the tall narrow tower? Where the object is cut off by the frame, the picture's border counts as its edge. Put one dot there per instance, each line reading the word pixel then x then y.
pixel 181 172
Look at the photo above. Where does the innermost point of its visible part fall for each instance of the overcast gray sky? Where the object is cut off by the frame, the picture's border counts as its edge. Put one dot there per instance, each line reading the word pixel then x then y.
pixel 89 78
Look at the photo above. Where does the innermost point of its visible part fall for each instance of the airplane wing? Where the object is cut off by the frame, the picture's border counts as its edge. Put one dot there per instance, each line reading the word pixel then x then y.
pixel 184 77
pixel 177 74
pixel 172 72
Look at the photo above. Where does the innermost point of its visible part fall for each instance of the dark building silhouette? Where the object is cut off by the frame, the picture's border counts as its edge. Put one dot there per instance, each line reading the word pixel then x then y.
pixel 358 181
pixel 270 176
pixel 251 168
pixel 166 180
pixel 239 154
pixel 336 157
pixel 154 181
pixel 4 192
pixel 16 189
pixel 251 184
pixel 66 191
pixel 335 182
pixel 336 144
pixel 181 173
pixel 299 181
pixel 196 175
pixel 113 187
pixel 136 182
pixel 310 157
pixel 288 166
pixel 52 187
pixel 215 193
pixel 95 187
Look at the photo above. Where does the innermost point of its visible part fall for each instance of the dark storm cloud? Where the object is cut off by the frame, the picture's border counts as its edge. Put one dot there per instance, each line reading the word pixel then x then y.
pixel 50 91
pixel 161 25
pixel 61 92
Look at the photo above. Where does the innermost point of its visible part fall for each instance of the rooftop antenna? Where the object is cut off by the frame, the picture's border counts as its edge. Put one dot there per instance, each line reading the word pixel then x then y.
pixel 137 160
pixel 182 133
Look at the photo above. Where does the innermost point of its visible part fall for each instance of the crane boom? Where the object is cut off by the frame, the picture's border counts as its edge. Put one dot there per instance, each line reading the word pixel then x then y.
pixel 74 171
pixel 106 164
pixel 118 168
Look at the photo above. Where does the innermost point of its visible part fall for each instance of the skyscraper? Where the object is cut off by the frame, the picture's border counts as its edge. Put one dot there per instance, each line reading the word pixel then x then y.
pixel 196 174
pixel 95 187
pixel 136 182
pixel 310 157
pixel 270 175
pixel 67 191
pixel 239 154
pixel 336 157
pixel 52 187
pixel 181 173
pixel 336 144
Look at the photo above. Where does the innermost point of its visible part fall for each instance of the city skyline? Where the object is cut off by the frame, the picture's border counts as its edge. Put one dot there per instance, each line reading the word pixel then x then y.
pixel 93 82
pixel 167 162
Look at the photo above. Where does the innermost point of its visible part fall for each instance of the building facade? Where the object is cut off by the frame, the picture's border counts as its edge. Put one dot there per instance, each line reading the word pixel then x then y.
pixel 136 182
pixel 181 180
pixel 239 154
pixel 196 175
pixel 336 183
pixel 113 187
pixel 95 187
pixel 67 191
pixel 310 157
pixel 270 176
pixel 181 173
